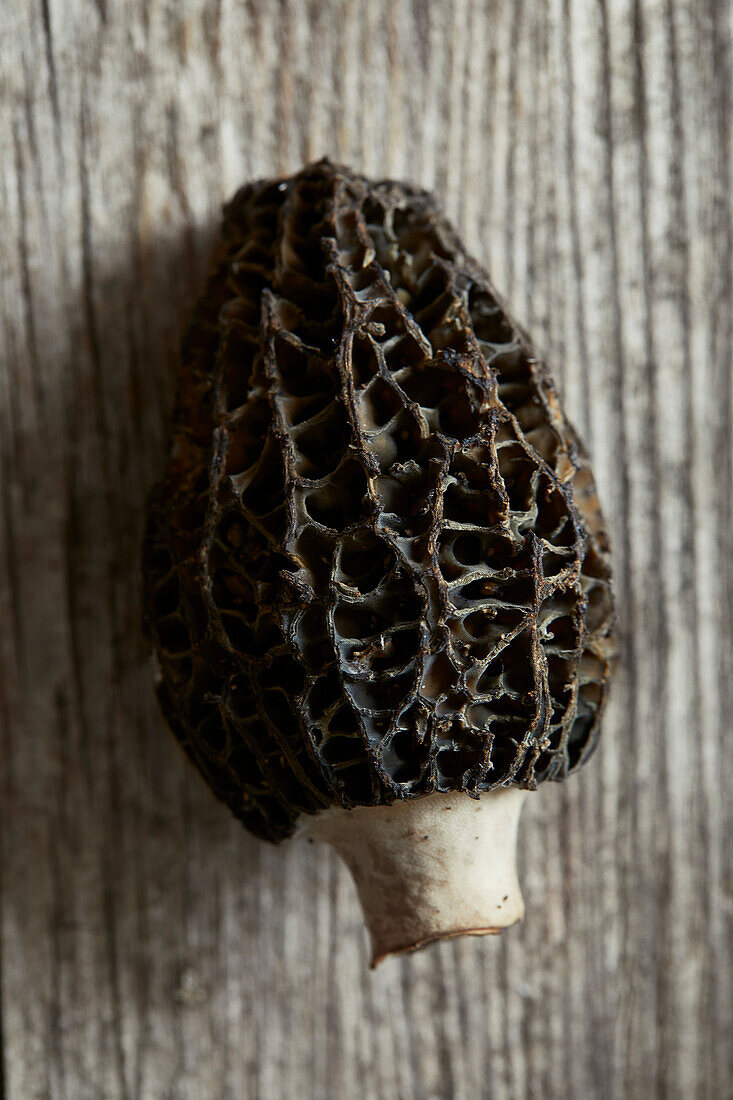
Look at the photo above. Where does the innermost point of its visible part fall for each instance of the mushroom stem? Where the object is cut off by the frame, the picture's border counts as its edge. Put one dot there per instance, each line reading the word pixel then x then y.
pixel 430 868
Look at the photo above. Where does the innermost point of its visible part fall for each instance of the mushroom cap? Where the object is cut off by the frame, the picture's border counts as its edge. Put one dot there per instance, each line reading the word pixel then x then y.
pixel 375 567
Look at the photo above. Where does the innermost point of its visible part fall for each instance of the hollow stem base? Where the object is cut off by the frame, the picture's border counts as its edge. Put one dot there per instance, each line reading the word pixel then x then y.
pixel 430 868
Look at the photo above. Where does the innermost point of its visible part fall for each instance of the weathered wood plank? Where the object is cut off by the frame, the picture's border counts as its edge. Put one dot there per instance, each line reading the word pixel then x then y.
pixel 148 947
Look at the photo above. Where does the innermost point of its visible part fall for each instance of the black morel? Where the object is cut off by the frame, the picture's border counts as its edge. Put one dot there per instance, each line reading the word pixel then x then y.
pixel 376 570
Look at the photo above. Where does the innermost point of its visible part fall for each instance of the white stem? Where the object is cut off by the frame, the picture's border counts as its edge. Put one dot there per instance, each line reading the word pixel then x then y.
pixel 429 868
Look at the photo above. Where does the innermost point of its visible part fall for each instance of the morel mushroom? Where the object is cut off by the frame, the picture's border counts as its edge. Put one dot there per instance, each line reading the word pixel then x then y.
pixel 377 576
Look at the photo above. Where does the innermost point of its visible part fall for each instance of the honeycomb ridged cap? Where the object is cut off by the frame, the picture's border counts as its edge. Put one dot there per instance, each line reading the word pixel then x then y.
pixel 376 566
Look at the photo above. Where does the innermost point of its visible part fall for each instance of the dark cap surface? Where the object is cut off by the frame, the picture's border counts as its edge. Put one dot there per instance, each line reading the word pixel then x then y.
pixel 376 565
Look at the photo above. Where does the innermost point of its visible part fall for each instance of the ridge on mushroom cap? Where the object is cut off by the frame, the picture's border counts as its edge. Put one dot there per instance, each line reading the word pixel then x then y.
pixel 376 566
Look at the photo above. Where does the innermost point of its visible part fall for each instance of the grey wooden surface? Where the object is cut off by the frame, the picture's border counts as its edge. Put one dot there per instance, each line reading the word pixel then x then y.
pixel 150 948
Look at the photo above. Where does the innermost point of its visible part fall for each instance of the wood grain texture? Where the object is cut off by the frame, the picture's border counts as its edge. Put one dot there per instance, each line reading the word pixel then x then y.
pixel 150 948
